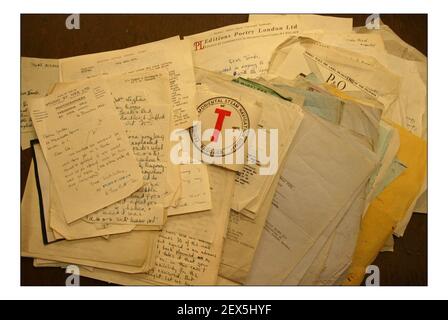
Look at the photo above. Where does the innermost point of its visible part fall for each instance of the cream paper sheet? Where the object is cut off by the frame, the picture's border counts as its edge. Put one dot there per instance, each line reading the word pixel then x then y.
pixel 215 92
pixel 129 253
pixel 44 182
pixel 142 102
pixel 194 262
pixel 55 224
pixel 311 21
pixel 245 49
pixel 36 78
pixel 170 55
pixel 86 148
pixel 346 70
pixel 195 195
pixel 275 114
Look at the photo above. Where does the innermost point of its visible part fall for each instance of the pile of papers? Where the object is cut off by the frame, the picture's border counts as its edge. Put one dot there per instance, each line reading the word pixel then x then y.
pixel 136 181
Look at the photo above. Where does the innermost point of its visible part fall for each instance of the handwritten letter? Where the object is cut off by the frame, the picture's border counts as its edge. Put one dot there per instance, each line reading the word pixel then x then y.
pixel 37 76
pixel 142 102
pixel 86 148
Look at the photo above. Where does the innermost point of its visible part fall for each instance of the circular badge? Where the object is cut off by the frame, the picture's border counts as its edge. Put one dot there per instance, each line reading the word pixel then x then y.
pixel 216 115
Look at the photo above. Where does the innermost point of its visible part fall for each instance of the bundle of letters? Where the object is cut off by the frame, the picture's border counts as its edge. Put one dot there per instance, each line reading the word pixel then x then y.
pixel 288 150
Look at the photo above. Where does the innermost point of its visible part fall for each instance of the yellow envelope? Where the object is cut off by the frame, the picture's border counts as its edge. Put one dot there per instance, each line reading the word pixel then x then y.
pixel 390 206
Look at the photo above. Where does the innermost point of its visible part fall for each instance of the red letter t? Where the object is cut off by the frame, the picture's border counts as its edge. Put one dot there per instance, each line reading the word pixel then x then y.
pixel 218 126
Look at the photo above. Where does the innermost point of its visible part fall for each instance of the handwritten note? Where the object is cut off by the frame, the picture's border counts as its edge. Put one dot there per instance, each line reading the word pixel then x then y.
pixel 86 148
pixel 182 259
pixel 142 103
pixel 195 195
pixel 37 76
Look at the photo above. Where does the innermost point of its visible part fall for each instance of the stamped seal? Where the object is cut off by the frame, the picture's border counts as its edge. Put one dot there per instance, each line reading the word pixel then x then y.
pixel 217 115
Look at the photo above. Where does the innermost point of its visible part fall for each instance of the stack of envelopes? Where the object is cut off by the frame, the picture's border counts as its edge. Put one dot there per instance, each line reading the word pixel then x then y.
pixel 288 150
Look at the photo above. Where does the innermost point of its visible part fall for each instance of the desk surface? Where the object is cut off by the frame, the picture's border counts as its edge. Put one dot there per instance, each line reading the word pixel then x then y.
pixel 45 36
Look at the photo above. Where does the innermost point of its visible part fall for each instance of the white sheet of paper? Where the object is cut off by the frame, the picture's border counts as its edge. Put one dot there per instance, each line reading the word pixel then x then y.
pixel 331 253
pixel 316 184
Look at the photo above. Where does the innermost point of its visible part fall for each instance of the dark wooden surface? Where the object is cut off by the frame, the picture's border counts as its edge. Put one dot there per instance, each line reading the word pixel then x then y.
pixel 45 36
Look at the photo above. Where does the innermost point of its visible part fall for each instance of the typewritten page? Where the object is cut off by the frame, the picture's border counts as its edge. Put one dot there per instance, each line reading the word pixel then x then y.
pixel 170 55
pixel 244 50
